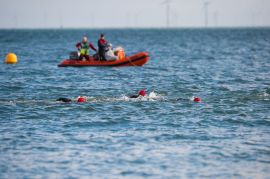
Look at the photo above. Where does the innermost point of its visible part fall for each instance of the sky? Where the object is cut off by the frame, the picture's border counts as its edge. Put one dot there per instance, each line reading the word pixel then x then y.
pixel 133 13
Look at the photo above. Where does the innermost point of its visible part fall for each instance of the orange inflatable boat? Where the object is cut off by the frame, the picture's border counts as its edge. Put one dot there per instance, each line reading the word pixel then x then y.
pixel 138 59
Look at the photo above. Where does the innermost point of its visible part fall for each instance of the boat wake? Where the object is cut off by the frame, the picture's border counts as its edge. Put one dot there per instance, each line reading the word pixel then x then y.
pixel 153 96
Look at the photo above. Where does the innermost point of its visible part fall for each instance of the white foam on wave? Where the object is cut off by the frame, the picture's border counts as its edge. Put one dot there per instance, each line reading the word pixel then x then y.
pixel 9 103
pixel 265 96
pixel 12 103
pixel 153 96
pixel 192 98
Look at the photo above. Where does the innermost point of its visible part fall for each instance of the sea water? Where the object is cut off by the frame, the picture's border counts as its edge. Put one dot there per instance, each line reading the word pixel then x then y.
pixel 162 135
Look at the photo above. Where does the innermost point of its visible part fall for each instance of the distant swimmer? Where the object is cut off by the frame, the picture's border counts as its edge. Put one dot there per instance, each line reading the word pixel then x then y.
pixel 80 99
pixel 194 99
pixel 140 93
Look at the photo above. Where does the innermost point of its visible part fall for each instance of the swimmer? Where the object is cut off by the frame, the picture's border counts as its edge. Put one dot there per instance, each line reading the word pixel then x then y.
pixel 194 99
pixel 140 93
pixel 80 99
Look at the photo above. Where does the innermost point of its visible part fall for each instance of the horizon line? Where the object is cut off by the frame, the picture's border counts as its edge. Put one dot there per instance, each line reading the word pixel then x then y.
pixel 120 28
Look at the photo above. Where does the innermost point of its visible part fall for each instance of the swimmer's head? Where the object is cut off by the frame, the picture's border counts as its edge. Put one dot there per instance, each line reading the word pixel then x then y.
pixel 197 99
pixel 84 40
pixel 81 99
pixel 142 92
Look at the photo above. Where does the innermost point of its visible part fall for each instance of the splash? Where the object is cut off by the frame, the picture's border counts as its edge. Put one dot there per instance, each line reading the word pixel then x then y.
pixel 264 96
pixel 151 97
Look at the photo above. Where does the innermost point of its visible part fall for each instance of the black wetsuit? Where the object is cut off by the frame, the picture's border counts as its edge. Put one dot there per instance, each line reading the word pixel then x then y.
pixel 134 96
pixel 66 100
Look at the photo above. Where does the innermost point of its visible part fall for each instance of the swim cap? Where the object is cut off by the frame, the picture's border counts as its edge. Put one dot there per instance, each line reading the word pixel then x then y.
pixel 142 93
pixel 197 99
pixel 81 99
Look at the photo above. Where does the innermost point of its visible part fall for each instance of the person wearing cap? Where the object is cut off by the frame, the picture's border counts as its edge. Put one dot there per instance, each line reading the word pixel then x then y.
pixel 109 55
pixel 80 99
pixel 83 48
pixel 141 93
pixel 102 47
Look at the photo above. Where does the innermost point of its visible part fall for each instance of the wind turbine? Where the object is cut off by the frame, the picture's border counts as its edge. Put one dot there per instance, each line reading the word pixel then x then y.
pixel 205 8
pixel 216 16
pixel 168 9
pixel 16 21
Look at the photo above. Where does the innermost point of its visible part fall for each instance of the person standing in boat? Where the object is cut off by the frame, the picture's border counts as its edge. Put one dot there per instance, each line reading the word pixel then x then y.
pixel 102 47
pixel 83 48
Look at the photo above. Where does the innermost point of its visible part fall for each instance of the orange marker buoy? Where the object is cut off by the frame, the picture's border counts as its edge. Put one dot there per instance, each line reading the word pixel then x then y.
pixel 11 58
pixel 81 99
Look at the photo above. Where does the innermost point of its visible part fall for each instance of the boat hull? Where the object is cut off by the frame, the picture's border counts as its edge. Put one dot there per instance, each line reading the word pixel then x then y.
pixel 138 59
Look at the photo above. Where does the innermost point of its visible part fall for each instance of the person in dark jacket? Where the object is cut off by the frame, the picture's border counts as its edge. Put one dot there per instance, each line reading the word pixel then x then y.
pixel 83 48
pixel 102 47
